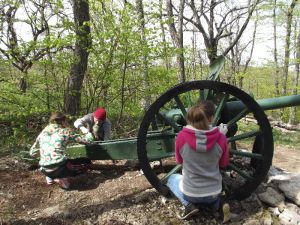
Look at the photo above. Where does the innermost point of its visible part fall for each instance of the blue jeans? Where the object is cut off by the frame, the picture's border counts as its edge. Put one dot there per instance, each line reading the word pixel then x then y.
pixel 173 184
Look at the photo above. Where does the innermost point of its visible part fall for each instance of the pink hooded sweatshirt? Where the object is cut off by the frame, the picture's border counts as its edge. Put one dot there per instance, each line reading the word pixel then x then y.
pixel 201 153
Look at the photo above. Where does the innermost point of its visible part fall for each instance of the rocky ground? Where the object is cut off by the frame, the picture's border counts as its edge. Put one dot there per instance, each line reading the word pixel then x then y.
pixel 114 193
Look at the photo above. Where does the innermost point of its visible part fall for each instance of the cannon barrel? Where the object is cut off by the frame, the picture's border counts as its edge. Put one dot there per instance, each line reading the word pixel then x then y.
pixel 267 104
pixel 235 107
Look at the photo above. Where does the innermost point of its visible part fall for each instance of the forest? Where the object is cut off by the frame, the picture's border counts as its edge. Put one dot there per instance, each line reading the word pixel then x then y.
pixel 73 56
pixel 76 55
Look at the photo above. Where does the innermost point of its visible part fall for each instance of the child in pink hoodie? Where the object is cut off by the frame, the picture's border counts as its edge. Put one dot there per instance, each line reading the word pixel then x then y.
pixel 201 149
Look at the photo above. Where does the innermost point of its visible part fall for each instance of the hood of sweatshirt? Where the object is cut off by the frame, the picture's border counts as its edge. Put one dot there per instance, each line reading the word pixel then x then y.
pixel 201 140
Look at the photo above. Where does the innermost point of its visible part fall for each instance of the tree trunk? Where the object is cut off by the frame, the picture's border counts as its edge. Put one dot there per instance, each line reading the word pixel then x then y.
pixel 194 56
pixel 276 78
pixel 177 37
pixel 146 98
pixel 122 91
pixel 287 47
pixel 241 77
pixel 287 50
pixel 163 36
pixel 204 18
pixel 292 119
pixel 79 66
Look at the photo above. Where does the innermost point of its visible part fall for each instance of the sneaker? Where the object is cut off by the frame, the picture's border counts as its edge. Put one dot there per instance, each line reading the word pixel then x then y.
pixel 225 213
pixel 189 211
pixel 64 183
pixel 49 180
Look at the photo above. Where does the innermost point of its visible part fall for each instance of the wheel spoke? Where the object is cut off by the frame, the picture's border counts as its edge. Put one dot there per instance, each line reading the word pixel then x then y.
pixel 188 99
pixel 240 172
pixel 154 124
pixel 243 113
pixel 219 109
pixel 174 170
pixel 245 135
pixel 202 95
pixel 246 154
pixel 180 105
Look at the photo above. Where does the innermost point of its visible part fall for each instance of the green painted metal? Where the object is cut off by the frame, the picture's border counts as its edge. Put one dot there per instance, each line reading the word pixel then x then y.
pixel 243 136
pixel 159 145
pixel 237 108
pixel 246 154
pixel 240 115
pixel 162 144
pixel 215 68
pixel 268 103
pixel 219 109
pixel 239 171
pixel 169 120
pixel 180 105
pixel 174 170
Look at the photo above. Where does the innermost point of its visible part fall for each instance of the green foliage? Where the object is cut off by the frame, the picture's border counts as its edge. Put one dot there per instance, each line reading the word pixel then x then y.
pixel 259 83
pixel 19 130
pixel 290 139
pixel 117 77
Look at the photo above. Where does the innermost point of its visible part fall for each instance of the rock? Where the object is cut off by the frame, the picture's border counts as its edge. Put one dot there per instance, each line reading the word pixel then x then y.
pixel 291 188
pixel 288 183
pixel 163 200
pixel 277 174
pixel 50 211
pixel 261 188
pixel 145 195
pixel 266 218
pixel 235 217
pixel 56 210
pixel 274 211
pixel 272 197
pixel 290 215
pixel 88 222
pixel 155 164
pixel 131 163
pixel 252 222
pixel 251 203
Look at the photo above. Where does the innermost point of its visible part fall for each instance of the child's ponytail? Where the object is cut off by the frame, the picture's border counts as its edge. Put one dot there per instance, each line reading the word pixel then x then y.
pixel 199 116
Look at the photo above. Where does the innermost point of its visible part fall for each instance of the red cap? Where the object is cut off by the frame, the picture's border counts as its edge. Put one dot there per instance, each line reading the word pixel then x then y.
pixel 100 114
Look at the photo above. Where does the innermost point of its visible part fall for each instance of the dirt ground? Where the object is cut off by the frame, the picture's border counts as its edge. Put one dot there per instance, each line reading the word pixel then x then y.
pixel 111 194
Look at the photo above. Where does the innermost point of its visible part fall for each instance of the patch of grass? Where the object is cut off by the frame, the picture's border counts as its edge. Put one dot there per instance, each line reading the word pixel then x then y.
pixel 290 139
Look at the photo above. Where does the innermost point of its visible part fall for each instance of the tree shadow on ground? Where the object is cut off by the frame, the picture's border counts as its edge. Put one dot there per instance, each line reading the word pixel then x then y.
pixel 82 213
pixel 97 175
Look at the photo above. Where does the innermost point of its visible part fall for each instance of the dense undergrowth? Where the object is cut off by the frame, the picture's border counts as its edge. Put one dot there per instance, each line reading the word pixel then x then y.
pixel 18 133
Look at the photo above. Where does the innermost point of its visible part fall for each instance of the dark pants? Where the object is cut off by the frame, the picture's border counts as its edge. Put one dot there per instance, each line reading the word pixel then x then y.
pixel 70 168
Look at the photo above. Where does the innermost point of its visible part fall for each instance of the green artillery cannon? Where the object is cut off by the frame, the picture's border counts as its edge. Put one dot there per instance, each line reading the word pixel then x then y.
pixel 251 146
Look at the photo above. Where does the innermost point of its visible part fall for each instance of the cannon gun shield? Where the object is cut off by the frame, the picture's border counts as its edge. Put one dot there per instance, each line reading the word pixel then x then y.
pixel 247 168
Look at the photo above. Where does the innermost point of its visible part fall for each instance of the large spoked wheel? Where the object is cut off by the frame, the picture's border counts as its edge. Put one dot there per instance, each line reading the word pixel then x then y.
pixel 250 143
